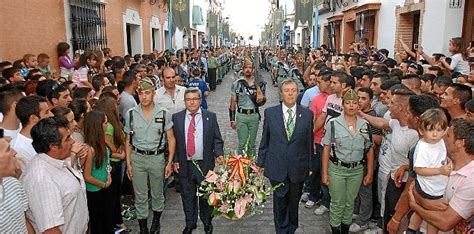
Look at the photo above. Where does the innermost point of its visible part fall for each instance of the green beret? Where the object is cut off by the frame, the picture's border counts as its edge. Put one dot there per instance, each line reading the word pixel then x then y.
pixel 248 62
pixel 146 84
pixel 350 95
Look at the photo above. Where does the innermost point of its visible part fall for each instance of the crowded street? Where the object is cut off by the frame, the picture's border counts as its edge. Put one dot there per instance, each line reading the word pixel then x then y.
pixel 237 116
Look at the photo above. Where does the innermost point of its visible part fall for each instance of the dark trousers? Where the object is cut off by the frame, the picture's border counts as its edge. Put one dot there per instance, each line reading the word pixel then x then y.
pixel 115 192
pixel 188 184
pixel 317 190
pixel 212 78
pixel 100 211
pixel 285 206
pixel 391 198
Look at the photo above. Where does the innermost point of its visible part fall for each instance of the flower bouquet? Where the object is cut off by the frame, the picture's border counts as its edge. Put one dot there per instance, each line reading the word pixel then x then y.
pixel 235 189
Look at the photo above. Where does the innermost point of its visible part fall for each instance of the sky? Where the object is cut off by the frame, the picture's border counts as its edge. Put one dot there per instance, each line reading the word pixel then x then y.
pixel 247 17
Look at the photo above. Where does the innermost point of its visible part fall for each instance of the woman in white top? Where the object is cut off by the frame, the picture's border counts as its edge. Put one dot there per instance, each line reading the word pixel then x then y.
pixel 459 58
pixel 459 62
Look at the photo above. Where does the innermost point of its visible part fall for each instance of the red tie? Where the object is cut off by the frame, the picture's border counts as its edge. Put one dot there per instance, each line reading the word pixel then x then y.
pixel 191 148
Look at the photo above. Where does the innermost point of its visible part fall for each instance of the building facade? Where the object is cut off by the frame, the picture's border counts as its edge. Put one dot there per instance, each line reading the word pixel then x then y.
pixel 430 23
pixel 125 26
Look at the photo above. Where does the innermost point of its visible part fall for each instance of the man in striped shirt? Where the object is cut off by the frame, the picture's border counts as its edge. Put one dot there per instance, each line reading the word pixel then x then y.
pixel 13 202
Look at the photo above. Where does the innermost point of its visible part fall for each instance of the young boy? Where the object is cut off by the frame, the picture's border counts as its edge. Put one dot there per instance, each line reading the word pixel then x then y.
pixel 197 82
pixel 44 67
pixel 430 163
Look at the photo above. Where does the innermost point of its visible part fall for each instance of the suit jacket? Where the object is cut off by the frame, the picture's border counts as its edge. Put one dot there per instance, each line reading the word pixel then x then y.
pixel 282 158
pixel 212 140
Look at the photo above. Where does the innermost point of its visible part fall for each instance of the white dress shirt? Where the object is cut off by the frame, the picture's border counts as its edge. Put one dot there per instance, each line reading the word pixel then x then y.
pixel 56 195
pixel 285 113
pixel 198 134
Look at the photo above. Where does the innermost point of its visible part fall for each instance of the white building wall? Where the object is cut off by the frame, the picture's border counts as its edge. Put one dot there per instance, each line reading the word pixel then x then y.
pixel 440 24
pixel 388 25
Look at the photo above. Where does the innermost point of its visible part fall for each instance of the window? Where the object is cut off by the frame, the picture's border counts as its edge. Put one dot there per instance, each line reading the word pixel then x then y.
pixel 365 24
pixel 88 25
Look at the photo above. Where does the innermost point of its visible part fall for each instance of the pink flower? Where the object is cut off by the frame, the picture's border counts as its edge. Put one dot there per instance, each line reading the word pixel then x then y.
pixel 224 207
pixel 235 185
pixel 220 186
pixel 248 198
pixel 239 209
pixel 213 199
pixel 211 177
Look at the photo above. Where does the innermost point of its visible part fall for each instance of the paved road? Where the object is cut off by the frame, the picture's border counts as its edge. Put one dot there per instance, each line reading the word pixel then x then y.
pixel 173 216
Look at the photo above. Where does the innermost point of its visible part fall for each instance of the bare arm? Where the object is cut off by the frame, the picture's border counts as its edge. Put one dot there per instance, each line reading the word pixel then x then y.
pixel 425 56
pixel 88 171
pixel 54 230
pixel 29 227
pixel 171 144
pixel 444 220
pixel 406 48
pixel 319 122
pixel 377 122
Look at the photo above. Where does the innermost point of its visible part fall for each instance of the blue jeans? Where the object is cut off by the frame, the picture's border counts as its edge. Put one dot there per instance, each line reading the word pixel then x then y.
pixel 318 191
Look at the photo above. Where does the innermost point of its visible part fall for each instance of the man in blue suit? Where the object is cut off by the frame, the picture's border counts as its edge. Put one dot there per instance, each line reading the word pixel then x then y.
pixel 201 146
pixel 285 153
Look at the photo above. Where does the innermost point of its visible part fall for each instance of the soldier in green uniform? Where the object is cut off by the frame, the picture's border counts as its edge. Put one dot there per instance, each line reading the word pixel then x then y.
pixel 347 147
pixel 149 130
pixel 282 69
pixel 247 95
pixel 297 70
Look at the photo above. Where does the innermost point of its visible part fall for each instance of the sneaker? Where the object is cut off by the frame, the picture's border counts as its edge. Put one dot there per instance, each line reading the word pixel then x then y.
pixel 304 197
pixel 356 228
pixel 309 204
pixel 119 228
pixel 321 210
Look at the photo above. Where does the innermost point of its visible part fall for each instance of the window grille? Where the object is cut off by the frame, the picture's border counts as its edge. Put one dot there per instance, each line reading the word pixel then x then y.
pixel 88 25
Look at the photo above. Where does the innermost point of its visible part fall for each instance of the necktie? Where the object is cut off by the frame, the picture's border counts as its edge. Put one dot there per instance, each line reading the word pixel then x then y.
pixel 191 148
pixel 290 124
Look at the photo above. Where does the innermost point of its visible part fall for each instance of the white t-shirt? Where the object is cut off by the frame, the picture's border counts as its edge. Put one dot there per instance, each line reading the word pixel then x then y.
pixel 403 139
pixel 385 148
pixel 24 148
pixel 11 133
pixel 431 156
pixel 459 64
pixel 333 107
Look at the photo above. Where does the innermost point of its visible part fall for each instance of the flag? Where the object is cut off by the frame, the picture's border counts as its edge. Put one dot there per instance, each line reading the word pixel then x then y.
pixel 212 23
pixel 180 10
pixel 303 12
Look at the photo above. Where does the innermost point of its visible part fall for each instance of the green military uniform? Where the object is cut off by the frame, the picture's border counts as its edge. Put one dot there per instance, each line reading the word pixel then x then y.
pixel 247 116
pixel 282 73
pixel 147 157
pixel 345 166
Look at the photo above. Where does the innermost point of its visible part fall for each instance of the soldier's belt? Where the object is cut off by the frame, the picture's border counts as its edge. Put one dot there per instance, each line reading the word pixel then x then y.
pixel 247 111
pixel 148 152
pixel 344 164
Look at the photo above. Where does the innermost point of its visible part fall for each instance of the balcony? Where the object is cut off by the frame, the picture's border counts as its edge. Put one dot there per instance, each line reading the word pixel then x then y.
pixel 324 6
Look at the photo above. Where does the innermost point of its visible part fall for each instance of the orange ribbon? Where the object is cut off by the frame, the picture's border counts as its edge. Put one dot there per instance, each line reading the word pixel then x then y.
pixel 238 163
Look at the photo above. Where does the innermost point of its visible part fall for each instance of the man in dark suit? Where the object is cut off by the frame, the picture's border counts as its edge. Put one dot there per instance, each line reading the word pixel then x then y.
pixel 285 153
pixel 198 134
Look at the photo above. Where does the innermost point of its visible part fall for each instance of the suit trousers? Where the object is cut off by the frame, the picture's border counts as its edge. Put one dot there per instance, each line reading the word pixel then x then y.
pixel 344 184
pixel 285 206
pixel 146 167
pixel 191 203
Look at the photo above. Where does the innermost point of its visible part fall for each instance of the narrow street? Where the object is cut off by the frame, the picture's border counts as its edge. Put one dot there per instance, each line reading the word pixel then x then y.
pixel 172 220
